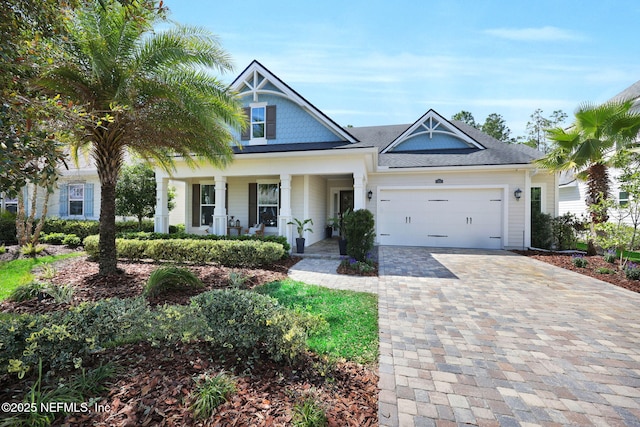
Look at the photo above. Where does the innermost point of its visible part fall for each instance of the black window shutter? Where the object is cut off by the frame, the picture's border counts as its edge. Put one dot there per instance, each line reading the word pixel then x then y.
pixel 226 197
pixel 271 122
pixel 246 133
pixel 195 205
pixel 253 203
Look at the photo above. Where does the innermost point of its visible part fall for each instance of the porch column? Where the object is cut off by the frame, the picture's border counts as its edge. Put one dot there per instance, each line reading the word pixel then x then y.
pixel 285 229
pixel 220 210
pixel 359 189
pixel 161 219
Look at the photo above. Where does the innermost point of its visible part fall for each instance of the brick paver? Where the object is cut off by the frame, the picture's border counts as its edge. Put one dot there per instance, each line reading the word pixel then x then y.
pixel 471 337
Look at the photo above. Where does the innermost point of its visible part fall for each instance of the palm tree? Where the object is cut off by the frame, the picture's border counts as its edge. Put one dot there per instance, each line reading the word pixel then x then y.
pixel 588 146
pixel 144 90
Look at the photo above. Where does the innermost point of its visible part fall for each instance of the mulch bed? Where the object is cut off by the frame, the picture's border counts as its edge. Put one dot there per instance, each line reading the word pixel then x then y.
pixel 155 383
pixel 564 260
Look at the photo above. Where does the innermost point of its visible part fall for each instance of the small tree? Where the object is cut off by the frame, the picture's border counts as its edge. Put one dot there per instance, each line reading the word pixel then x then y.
pixel 360 233
pixel 136 192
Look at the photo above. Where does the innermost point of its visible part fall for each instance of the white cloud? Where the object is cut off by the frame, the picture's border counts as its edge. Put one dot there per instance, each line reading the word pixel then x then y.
pixel 535 34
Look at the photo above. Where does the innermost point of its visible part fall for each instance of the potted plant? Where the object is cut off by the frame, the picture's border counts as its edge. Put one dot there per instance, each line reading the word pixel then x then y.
pixel 301 227
pixel 332 224
pixel 342 229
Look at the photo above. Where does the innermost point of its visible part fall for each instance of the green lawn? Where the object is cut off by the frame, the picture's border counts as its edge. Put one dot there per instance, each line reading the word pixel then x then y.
pixel 352 318
pixel 18 272
pixel 632 256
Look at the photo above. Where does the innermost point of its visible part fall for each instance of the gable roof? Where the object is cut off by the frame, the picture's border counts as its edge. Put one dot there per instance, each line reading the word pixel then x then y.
pixel 257 79
pixel 430 123
pixel 493 152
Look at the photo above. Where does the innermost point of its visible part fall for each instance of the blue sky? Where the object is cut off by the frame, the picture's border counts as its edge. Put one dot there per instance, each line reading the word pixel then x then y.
pixel 368 63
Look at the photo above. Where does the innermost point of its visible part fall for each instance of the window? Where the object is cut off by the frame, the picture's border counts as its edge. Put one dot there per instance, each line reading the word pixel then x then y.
pixel 10 205
pixel 623 198
pixel 262 123
pixel 207 203
pixel 536 199
pixel 76 199
pixel 257 122
pixel 268 195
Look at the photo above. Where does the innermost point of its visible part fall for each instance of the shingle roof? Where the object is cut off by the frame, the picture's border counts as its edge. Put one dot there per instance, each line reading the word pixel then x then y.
pixel 495 152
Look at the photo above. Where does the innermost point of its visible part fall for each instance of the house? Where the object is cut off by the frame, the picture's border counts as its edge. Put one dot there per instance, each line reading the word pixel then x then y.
pixel 433 182
pixel 77 195
pixel 573 191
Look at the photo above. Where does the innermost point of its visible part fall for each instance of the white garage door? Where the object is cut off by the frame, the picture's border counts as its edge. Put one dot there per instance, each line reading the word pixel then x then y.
pixel 453 218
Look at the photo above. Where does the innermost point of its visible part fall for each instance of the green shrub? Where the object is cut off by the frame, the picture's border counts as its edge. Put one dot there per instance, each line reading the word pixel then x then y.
pixel 308 412
pixel 211 392
pixel 541 233
pixel 604 270
pixel 230 253
pixel 579 261
pixel 237 280
pixel 564 229
pixel 250 324
pixel 166 278
pixel 610 256
pixel 360 233
pixel 145 235
pixel 53 238
pixel 84 228
pixel 8 228
pixel 632 271
pixel 3 249
pixel 62 294
pixel 31 250
pixel 81 228
pixel 27 291
pixel 71 240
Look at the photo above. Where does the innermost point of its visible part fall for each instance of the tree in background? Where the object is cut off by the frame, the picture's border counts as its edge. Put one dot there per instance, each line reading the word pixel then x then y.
pixel 494 125
pixel 31 125
pixel 136 192
pixel 588 148
pixel 537 128
pixel 466 117
pixel 143 89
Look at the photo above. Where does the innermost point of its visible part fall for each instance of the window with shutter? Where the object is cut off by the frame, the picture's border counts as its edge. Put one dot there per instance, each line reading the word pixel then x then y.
pixel 261 119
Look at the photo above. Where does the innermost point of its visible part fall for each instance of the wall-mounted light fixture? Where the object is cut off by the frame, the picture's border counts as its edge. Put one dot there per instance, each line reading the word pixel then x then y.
pixel 439 181
pixel 517 194
pixel 370 195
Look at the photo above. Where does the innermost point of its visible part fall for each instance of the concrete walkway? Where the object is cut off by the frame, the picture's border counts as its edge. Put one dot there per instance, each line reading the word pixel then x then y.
pixel 491 338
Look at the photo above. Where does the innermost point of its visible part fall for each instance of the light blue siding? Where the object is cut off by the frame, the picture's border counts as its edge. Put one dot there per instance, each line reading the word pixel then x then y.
pixel 293 124
pixel 424 142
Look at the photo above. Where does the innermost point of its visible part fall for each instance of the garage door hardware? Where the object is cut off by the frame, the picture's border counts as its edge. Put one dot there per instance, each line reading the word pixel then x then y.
pixel 438 200
pixel 469 220
pixel 437 235
pixel 407 220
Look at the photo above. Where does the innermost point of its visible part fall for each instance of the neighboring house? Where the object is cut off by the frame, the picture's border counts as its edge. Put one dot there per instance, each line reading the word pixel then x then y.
pixel 434 182
pixel 573 191
pixel 77 195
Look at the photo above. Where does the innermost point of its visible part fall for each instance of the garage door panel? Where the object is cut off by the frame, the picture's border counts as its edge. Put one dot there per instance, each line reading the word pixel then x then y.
pixel 446 218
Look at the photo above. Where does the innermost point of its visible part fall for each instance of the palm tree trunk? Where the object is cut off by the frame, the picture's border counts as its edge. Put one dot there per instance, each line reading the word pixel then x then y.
pixel 108 154
pixel 108 259
pixel 597 191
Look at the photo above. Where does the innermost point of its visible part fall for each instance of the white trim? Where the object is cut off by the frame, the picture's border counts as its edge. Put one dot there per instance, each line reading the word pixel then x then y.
pixel 252 140
pixel 250 78
pixel 427 123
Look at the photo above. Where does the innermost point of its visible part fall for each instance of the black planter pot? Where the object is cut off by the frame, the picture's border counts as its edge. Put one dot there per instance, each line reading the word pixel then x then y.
pixel 328 232
pixel 342 244
pixel 300 245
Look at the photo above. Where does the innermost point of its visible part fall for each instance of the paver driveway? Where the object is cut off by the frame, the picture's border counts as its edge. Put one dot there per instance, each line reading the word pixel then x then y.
pixel 492 338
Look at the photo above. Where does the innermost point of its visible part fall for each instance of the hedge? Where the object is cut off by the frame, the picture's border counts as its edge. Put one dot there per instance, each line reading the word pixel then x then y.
pixel 182 235
pixel 230 253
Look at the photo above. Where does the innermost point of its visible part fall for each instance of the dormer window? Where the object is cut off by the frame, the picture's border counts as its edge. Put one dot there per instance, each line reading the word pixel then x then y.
pixel 261 123
pixel 257 122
